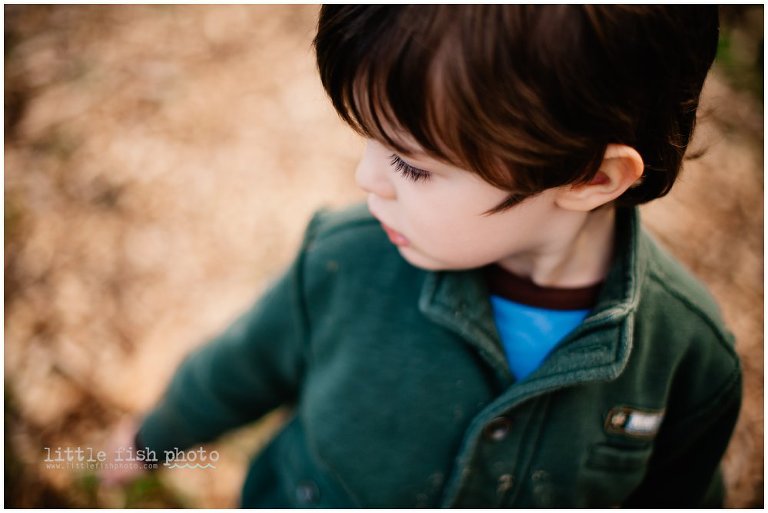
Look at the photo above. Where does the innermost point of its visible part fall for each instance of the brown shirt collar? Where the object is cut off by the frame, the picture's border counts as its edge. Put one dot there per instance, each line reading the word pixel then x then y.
pixel 522 290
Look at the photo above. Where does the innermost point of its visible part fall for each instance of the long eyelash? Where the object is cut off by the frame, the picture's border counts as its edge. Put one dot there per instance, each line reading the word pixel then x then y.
pixel 408 171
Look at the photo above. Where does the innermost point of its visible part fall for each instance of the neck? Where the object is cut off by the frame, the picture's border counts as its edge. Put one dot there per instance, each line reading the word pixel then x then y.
pixel 578 255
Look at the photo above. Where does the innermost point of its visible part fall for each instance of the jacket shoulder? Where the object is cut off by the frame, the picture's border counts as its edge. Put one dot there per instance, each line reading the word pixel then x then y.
pixel 349 246
pixel 681 285
pixel 685 304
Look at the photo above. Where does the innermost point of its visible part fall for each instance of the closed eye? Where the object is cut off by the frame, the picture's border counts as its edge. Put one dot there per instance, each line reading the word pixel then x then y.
pixel 408 171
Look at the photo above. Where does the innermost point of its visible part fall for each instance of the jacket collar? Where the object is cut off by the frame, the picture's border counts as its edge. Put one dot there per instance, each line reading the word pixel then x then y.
pixel 597 350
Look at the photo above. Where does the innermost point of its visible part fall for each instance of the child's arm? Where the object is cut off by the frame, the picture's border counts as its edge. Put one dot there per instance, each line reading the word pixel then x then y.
pixel 120 448
pixel 255 366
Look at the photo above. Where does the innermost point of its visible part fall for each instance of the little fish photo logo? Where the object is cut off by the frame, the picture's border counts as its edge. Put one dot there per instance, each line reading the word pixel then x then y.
pixel 89 458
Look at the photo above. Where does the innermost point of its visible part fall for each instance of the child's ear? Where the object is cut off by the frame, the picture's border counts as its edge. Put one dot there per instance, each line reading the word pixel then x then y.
pixel 622 166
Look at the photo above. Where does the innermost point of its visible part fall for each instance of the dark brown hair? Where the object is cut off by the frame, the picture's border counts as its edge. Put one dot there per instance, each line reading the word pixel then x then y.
pixel 527 97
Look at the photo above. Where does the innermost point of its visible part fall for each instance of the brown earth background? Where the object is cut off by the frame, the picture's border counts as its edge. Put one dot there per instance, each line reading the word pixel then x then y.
pixel 161 163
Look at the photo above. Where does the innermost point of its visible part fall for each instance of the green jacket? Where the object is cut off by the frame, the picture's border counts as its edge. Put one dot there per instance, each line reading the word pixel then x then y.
pixel 403 397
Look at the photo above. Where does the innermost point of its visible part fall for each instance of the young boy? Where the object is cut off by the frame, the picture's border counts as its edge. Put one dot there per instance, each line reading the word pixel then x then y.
pixel 494 328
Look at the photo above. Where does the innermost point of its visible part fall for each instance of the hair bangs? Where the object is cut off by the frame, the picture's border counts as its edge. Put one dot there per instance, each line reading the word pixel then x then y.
pixel 386 91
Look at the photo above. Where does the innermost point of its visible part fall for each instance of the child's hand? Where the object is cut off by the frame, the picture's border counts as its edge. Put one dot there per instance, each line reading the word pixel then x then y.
pixel 118 468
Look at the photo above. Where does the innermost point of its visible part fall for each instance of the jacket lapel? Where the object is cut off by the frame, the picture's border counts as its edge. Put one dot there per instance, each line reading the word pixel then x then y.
pixel 459 302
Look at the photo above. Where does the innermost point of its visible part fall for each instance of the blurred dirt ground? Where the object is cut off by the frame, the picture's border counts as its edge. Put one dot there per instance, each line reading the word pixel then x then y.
pixel 160 165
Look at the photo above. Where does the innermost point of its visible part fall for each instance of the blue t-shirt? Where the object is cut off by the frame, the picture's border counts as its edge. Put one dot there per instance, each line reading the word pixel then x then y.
pixel 532 319
pixel 529 333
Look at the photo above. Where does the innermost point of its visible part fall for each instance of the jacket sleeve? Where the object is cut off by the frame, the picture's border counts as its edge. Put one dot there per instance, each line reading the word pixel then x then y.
pixel 684 469
pixel 256 365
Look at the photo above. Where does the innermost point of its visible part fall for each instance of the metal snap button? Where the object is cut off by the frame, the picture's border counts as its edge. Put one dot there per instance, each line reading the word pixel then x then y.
pixel 306 492
pixel 497 429
pixel 506 481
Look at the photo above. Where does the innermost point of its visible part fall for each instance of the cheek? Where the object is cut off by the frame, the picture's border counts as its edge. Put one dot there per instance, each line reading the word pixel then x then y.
pixel 468 236
pixel 455 234
pixel 444 219
pixel 448 223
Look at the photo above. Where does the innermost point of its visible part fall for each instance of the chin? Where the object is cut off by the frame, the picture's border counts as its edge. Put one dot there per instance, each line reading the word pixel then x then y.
pixel 419 260
pixel 427 263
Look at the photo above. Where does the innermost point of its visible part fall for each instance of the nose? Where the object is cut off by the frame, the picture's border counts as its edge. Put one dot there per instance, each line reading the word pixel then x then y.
pixel 374 175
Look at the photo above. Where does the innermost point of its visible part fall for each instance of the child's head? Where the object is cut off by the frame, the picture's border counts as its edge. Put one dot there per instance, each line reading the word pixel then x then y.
pixel 527 97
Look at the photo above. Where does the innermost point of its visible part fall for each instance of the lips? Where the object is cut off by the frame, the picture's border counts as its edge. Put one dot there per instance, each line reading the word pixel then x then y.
pixel 395 237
